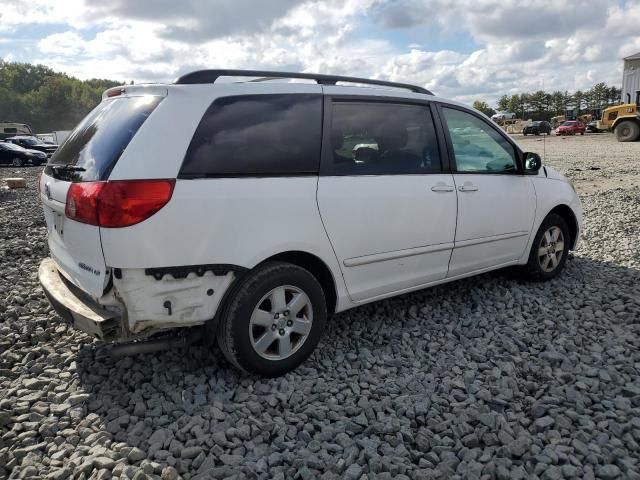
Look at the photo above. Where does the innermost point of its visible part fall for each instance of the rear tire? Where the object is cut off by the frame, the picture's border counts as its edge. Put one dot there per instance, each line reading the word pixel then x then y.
pixel 273 320
pixel 17 162
pixel 549 251
pixel 627 131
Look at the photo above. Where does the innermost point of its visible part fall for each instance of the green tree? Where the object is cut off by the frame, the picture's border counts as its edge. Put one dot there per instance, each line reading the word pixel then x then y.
pixel 578 100
pixel 44 99
pixel 483 107
pixel 503 103
pixel 558 103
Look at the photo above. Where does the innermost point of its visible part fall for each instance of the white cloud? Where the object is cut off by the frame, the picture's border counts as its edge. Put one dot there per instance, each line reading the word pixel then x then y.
pixel 521 44
pixel 67 43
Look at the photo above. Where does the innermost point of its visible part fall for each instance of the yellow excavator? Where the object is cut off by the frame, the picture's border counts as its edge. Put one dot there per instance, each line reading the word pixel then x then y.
pixel 623 120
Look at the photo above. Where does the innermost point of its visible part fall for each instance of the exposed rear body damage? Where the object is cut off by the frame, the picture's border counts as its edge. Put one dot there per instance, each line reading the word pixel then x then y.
pixel 169 302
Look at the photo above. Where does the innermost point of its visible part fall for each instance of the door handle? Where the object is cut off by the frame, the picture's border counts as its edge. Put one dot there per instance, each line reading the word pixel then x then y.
pixel 468 187
pixel 441 187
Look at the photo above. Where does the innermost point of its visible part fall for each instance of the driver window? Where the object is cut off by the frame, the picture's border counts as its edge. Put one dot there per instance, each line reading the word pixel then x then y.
pixel 477 146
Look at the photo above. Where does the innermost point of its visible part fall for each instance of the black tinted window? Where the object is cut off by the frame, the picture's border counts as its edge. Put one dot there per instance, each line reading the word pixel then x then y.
pixel 257 135
pixel 383 139
pixel 98 141
pixel 10 130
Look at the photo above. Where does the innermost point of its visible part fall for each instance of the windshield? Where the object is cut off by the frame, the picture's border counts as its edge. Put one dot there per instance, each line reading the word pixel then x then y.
pixel 11 146
pixel 536 124
pixel 568 124
pixel 31 141
pixel 97 142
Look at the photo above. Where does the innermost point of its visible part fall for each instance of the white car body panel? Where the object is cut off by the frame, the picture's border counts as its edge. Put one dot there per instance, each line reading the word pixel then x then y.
pixel 494 221
pixel 384 235
pixel 553 190
pixel 73 245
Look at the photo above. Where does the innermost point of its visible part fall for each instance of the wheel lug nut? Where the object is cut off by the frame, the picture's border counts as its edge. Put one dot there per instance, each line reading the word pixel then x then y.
pixel 281 331
pixel 289 323
pixel 273 327
pixel 286 312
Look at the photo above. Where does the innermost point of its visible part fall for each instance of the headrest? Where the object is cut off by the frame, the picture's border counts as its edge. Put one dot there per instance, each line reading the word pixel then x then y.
pixel 391 136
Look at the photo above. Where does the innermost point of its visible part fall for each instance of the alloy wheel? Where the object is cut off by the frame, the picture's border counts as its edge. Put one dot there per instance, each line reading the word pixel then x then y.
pixel 551 249
pixel 280 322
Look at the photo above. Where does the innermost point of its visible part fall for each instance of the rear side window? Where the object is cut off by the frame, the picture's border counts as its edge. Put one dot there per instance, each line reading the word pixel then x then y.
pixel 383 139
pixel 257 135
pixel 10 130
pixel 98 141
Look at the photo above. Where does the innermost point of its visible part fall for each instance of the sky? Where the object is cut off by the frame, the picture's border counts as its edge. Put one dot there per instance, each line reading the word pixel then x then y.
pixel 465 50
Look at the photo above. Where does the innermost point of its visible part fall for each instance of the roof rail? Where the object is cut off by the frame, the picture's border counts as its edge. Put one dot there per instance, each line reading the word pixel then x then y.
pixel 210 76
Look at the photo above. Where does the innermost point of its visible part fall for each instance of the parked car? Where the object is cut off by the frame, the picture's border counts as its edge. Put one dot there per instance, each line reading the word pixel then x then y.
pixel 256 221
pixel 592 127
pixel 536 128
pixel 503 116
pixel 11 154
pixel 571 127
pixel 33 143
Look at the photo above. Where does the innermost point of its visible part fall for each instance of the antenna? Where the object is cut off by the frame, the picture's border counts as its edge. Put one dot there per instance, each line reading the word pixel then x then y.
pixel 544 137
pixel 544 147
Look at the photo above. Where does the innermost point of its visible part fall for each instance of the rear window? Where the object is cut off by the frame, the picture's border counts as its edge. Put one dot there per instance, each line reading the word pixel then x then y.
pixel 98 141
pixel 256 135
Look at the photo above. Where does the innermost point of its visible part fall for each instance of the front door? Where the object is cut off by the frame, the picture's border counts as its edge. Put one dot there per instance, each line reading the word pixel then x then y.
pixel 496 202
pixel 386 204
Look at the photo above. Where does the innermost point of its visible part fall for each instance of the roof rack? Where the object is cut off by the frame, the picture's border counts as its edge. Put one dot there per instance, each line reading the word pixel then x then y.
pixel 210 76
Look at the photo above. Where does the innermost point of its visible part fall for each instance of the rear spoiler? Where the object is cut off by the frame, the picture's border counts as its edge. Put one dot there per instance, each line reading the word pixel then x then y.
pixel 135 91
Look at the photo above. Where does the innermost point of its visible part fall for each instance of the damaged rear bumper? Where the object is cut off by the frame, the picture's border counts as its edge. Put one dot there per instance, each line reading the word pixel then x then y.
pixel 81 313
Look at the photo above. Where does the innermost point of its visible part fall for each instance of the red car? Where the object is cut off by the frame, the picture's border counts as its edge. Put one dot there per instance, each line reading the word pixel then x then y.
pixel 571 127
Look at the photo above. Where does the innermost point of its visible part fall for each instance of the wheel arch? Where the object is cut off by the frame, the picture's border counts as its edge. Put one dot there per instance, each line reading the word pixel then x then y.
pixel 572 222
pixel 317 267
pixel 632 118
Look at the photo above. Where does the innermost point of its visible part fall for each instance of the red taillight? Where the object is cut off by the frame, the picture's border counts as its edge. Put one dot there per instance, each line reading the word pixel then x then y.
pixel 82 202
pixel 114 92
pixel 118 203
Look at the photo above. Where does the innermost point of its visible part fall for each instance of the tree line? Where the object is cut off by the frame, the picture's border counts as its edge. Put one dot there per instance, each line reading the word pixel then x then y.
pixel 44 99
pixel 543 105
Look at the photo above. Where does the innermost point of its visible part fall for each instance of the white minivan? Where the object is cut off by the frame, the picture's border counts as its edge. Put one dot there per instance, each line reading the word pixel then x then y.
pixel 258 208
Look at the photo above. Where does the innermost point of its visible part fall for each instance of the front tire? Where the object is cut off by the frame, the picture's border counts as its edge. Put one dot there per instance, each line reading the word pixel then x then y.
pixel 549 251
pixel 627 131
pixel 17 162
pixel 273 319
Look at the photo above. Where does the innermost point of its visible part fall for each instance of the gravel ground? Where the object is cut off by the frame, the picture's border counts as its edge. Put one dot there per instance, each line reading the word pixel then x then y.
pixel 484 378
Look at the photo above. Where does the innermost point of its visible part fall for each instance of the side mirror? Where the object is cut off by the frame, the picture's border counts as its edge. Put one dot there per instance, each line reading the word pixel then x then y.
pixel 532 163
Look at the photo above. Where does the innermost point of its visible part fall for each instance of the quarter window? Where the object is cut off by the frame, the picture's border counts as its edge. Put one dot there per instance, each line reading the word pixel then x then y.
pixel 257 135
pixel 383 139
pixel 477 146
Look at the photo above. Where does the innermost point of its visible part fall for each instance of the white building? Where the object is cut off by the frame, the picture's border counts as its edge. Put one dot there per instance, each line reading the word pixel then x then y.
pixel 631 79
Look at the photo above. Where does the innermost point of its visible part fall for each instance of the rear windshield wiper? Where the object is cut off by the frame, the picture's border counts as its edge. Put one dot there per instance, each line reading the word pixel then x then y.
pixel 67 168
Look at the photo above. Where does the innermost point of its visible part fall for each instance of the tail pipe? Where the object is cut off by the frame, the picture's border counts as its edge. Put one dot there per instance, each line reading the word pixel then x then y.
pixel 151 345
